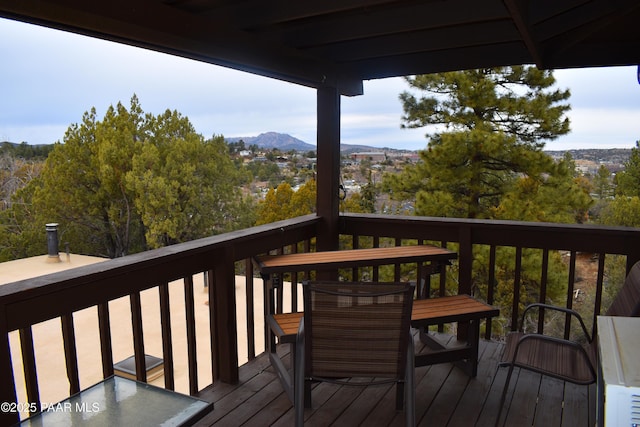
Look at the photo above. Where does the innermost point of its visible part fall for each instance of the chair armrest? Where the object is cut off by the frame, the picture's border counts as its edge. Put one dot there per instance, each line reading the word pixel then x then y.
pixel 565 310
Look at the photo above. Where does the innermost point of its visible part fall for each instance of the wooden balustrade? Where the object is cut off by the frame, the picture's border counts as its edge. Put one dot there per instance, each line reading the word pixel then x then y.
pixel 470 235
pixel 62 295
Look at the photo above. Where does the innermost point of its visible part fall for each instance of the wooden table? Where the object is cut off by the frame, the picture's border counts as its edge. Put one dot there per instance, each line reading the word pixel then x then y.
pixel 272 265
pixel 269 264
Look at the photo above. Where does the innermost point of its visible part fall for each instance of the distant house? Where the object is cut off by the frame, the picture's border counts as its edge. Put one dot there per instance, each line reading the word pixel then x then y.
pixel 374 156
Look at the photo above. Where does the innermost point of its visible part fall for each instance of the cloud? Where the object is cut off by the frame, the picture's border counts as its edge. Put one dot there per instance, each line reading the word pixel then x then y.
pixel 601 128
pixel 50 78
pixel 31 133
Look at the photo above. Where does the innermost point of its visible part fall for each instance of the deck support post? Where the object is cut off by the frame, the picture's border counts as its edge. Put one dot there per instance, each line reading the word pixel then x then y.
pixel 328 172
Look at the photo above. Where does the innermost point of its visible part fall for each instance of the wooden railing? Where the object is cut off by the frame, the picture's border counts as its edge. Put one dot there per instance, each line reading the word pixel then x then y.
pixel 469 236
pixel 63 295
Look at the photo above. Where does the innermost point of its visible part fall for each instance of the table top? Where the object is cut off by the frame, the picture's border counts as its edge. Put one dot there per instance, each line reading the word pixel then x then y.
pixel 351 258
pixel 121 401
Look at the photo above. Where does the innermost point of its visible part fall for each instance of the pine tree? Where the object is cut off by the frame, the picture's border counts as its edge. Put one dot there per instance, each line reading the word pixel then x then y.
pixel 490 126
pixel 484 160
pixel 628 181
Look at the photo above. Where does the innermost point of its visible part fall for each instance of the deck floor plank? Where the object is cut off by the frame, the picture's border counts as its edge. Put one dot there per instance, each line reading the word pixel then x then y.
pixel 445 396
pixel 521 399
pixel 548 412
pixel 477 391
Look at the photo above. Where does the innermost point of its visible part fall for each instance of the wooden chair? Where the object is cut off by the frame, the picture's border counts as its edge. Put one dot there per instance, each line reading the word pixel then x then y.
pixel 573 361
pixel 355 330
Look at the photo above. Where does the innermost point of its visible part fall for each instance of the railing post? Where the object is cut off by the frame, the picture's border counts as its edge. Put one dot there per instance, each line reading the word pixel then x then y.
pixel 222 312
pixel 7 385
pixel 465 264
pixel 465 260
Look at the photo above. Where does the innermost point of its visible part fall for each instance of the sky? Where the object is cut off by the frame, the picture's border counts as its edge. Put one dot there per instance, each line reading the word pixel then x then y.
pixel 49 79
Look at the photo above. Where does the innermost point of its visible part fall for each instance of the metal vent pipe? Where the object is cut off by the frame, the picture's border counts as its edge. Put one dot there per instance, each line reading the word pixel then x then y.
pixel 52 242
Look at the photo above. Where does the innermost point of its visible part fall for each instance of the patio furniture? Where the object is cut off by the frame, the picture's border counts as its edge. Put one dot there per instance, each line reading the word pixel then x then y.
pixel 119 401
pixel 282 327
pixel 451 309
pixel 565 359
pixel 425 312
pixel 356 330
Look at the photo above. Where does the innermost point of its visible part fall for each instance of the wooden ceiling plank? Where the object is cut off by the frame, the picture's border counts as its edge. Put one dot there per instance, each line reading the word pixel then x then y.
pixel 581 24
pixel 420 42
pixel 432 62
pixel 260 13
pixel 519 13
pixel 380 23
pixel 585 15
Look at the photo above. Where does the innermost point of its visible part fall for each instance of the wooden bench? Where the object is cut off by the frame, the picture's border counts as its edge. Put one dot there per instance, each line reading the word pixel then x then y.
pixel 426 312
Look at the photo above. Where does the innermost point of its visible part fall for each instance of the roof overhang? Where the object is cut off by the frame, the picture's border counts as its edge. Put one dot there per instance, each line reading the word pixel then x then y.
pixel 341 43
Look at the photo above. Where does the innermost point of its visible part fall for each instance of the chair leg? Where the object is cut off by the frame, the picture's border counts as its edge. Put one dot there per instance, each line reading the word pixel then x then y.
pixel 299 385
pixel 504 394
pixel 307 394
pixel 400 394
pixel 410 394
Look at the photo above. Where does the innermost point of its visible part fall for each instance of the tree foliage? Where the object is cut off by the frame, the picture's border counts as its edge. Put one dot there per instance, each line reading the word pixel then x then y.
pixel 624 208
pixel 514 101
pixel 15 173
pixel 602 183
pixel 284 203
pixel 18 236
pixel 134 181
pixel 363 201
pixel 628 181
pixel 25 151
pixel 490 130
pixel 484 160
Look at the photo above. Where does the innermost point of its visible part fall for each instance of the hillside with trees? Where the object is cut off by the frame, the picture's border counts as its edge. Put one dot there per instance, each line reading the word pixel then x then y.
pixel 127 183
pixel 132 181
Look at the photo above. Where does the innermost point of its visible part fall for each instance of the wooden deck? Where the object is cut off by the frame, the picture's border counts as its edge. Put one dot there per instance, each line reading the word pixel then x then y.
pixel 445 396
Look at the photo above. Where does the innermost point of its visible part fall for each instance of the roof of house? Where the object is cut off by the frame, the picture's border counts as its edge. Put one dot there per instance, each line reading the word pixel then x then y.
pixel 343 42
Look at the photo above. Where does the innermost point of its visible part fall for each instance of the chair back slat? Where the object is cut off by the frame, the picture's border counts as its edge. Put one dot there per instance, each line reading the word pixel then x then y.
pixel 627 302
pixel 356 329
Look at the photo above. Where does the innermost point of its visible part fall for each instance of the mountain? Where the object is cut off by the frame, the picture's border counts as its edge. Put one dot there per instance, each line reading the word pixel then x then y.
pixel 286 142
pixel 356 148
pixel 281 141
